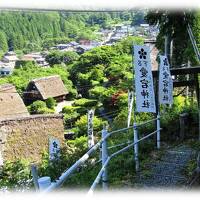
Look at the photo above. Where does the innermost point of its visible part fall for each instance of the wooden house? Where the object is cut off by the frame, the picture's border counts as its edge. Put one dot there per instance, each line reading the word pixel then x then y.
pixel 44 88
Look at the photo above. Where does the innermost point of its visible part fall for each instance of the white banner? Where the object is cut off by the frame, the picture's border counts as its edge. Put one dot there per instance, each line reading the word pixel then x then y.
pixel 90 128
pixel 145 98
pixel 165 82
pixel 130 107
pixel 54 148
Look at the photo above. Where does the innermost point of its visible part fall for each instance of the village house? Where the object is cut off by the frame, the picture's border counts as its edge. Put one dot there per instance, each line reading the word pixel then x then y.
pixel 63 47
pixel 44 88
pixel 5 69
pixel 7 63
pixel 37 57
pixel 9 57
pixel 84 42
pixel 73 44
pixel 83 48
pixel 11 104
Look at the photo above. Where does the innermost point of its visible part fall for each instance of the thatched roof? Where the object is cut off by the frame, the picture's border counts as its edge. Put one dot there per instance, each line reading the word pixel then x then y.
pixel 11 104
pixel 51 86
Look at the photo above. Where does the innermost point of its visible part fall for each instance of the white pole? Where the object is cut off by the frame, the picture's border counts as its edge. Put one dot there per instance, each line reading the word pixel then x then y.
pixel 135 131
pixel 136 147
pixel 104 159
pixel 188 77
pixel 158 130
pixel 130 107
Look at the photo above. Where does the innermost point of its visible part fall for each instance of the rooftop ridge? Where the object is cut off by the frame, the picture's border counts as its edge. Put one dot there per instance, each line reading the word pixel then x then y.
pixel 6 86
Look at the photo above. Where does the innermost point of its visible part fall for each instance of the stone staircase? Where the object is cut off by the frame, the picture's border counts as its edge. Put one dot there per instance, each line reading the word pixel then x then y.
pixel 167 172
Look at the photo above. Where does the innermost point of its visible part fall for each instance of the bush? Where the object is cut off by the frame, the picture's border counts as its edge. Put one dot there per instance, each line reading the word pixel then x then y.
pixel 39 107
pixel 24 64
pixel 68 109
pixel 15 175
pixel 71 117
pixel 50 103
pixel 81 110
pixel 81 124
pixel 69 154
pixel 85 102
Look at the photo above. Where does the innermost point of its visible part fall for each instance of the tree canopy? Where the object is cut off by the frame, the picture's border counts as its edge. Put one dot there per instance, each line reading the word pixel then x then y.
pixel 173 24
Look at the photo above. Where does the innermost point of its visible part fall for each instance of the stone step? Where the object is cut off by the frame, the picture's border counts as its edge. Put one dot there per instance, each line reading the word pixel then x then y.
pixel 167 171
pixel 160 180
pixel 165 168
pixel 177 158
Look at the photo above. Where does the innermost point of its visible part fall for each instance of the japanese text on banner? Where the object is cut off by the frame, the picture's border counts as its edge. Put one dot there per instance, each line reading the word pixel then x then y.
pixel 54 148
pixel 90 128
pixel 145 98
pixel 165 82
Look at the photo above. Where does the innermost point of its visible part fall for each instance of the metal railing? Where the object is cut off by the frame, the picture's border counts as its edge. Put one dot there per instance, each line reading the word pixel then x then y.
pixel 105 158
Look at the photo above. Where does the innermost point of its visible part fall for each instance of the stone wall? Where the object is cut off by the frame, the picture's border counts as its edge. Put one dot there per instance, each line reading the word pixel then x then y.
pixel 28 137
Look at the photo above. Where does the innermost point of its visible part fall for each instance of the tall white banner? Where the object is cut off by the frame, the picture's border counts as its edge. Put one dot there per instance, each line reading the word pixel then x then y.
pixel 90 128
pixel 145 97
pixel 165 82
pixel 130 106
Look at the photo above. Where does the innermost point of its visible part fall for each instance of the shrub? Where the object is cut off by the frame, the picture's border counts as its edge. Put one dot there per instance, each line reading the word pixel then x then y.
pixel 81 110
pixel 85 102
pixel 15 175
pixel 81 124
pixel 39 107
pixel 36 106
pixel 69 154
pixel 68 109
pixel 71 117
pixel 51 103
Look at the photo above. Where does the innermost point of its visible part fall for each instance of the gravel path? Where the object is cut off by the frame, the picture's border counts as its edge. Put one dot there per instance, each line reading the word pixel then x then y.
pixel 167 171
pixel 62 104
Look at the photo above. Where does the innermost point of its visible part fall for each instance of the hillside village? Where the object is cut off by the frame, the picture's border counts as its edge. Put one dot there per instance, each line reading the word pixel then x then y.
pixel 66 85
pixel 14 105
pixel 109 37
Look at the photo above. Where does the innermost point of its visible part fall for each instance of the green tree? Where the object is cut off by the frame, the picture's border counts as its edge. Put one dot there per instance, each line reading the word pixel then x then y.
pixel 173 25
pixel 57 57
pixel 3 42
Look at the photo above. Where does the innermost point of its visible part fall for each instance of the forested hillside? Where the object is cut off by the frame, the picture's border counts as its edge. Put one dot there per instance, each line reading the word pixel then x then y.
pixel 30 31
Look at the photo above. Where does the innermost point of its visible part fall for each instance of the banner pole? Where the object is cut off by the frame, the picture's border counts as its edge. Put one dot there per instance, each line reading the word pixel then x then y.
pixel 104 155
pixel 135 131
pixel 130 107
pixel 158 111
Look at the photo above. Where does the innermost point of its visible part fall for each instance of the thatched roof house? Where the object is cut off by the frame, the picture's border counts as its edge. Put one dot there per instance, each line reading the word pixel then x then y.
pixel 11 104
pixel 44 88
